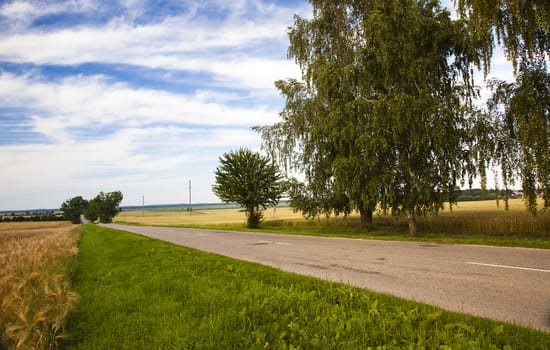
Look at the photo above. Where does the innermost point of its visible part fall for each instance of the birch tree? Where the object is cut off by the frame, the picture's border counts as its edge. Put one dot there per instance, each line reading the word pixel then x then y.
pixel 324 114
pixel 417 64
pixel 381 114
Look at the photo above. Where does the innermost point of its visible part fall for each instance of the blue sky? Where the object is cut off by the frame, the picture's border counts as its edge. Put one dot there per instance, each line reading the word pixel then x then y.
pixel 139 96
pixel 133 95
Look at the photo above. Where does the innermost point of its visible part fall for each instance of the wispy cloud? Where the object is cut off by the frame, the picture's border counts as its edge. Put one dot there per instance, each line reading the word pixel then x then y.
pixel 20 14
pixel 238 53
pixel 80 101
pixel 91 126
pixel 131 95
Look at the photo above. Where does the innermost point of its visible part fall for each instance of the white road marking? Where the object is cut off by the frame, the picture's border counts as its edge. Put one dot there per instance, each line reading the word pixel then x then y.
pixel 507 266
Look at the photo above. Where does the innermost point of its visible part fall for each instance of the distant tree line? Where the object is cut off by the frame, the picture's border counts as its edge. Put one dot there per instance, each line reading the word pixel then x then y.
pixel 103 207
pixel 478 194
pixel 31 217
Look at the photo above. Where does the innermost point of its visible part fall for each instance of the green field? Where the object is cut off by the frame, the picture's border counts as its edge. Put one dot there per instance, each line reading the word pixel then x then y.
pixel 481 222
pixel 140 293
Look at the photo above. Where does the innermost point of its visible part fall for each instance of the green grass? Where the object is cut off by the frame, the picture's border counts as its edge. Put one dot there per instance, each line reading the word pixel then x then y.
pixel 139 293
pixel 391 229
pixel 468 223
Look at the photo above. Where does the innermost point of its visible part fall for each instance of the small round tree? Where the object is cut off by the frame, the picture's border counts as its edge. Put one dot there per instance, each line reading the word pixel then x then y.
pixel 104 206
pixel 72 208
pixel 250 180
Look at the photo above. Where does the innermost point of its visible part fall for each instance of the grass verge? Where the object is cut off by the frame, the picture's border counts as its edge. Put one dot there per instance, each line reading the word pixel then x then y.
pixel 36 261
pixel 386 230
pixel 139 293
pixel 468 223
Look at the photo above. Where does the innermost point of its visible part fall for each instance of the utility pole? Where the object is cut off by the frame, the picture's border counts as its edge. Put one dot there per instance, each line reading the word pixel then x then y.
pixel 142 206
pixel 190 207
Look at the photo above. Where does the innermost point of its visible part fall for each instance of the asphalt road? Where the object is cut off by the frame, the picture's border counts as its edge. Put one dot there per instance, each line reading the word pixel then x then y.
pixel 506 284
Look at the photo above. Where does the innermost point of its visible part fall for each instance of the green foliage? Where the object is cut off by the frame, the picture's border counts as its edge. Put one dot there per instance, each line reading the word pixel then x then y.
pixel 420 75
pixel 36 217
pixel 107 205
pixel 324 118
pixel 139 293
pixel 314 201
pixel 92 212
pixel 515 134
pixel 382 114
pixel 74 207
pixel 519 124
pixel 523 27
pixel 478 194
pixel 250 180
pixel 104 206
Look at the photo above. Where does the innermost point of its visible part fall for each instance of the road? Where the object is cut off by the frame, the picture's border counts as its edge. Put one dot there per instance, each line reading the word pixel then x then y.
pixel 506 284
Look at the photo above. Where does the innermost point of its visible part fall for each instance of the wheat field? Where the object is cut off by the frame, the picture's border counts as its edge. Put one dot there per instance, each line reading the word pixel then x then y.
pixel 200 217
pixel 490 217
pixel 474 217
pixel 36 260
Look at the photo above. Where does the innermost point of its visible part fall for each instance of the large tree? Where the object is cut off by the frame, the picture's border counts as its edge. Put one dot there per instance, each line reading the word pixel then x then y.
pixel 381 114
pixel 519 133
pixel 250 180
pixel 417 66
pixel 515 133
pixel 324 116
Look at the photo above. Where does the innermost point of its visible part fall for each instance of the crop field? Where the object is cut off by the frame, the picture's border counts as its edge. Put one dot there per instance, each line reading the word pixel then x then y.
pixel 201 217
pixel 480 222
pixel 36 297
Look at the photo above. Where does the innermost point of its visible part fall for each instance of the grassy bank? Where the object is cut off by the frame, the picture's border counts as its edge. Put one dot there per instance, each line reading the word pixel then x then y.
pixel 138 293
pixel 469 222
pixel 36 261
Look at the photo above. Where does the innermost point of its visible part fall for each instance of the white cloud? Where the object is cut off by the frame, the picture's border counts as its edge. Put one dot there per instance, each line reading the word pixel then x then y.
pixel 142 156
pixel 176 43
pixel 20 14
pixel 87 101
pixel 18 9
pixel 102 135
pixel 99 133
pixel 85 133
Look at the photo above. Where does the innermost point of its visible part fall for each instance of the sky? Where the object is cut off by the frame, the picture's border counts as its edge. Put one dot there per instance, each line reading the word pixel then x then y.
pixel 140 96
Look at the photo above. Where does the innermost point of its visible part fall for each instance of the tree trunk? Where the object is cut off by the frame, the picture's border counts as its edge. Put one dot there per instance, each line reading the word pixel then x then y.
pixel 254 217
pixel 366 217
pixel 412 175
pixel 412 223
pixel 250 217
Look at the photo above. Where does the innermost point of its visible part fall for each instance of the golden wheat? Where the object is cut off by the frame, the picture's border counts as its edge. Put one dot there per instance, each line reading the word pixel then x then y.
pixel 34 283
pixel 468 217
pixel 201 217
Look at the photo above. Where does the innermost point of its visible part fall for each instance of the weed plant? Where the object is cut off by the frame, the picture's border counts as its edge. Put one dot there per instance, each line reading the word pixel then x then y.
pixel 140 293
pixel 35 293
